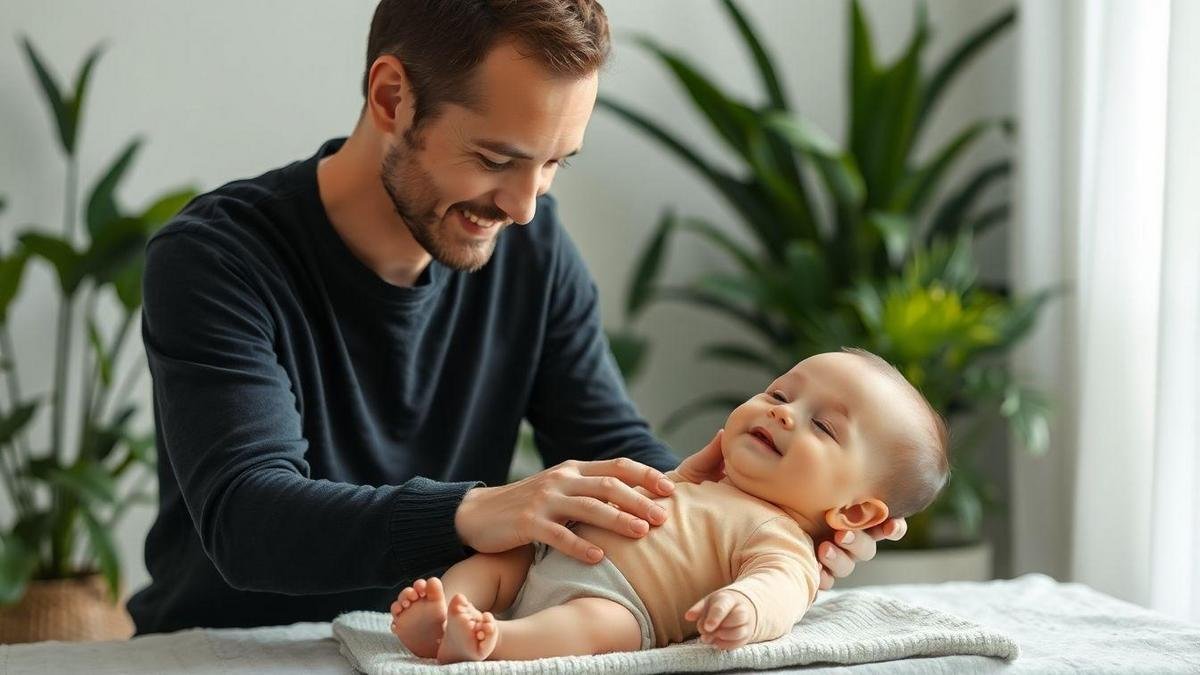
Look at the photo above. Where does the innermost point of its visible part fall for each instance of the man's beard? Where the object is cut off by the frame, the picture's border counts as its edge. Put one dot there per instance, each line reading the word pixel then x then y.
pixel 415 199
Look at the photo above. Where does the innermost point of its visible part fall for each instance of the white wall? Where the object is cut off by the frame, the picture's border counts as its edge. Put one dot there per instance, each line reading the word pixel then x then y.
pixel 227 89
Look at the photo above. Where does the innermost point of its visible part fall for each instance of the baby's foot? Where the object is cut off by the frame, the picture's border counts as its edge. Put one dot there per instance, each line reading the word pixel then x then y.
pixel 470 635
pixel 419 616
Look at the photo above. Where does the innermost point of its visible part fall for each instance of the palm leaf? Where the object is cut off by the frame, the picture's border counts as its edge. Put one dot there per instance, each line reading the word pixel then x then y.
pixel 65 121
pixel 102 207
pixel 952 214
pixel 959 57
pixel 647 269
pixel 740 196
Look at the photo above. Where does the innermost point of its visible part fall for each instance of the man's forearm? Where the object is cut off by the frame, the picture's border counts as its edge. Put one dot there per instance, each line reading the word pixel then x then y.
pixel 277 531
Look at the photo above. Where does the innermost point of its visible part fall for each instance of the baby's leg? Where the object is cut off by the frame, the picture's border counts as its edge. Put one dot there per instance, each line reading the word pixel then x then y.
pixel 489 579
pixel 578 627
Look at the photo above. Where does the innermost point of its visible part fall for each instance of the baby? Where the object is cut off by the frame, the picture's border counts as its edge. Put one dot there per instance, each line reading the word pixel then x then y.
pixel 840 442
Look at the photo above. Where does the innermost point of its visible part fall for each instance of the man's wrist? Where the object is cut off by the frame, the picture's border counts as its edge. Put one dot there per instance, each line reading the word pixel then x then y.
pixel 462 516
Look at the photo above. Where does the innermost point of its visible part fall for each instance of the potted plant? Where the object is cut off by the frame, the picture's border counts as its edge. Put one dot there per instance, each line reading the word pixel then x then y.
pixel 60 575
pixel 886 266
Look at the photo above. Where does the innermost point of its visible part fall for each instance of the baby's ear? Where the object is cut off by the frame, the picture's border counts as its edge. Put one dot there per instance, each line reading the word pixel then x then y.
pixel 857 516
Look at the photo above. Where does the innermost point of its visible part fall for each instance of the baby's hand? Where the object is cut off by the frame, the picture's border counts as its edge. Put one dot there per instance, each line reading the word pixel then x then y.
pixel 724 618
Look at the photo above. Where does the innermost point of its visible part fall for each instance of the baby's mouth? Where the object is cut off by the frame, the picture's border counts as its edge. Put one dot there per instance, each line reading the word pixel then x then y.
pixel 762 435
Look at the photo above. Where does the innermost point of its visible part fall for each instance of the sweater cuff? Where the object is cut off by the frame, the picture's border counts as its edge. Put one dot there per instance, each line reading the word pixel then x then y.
pixel 421 531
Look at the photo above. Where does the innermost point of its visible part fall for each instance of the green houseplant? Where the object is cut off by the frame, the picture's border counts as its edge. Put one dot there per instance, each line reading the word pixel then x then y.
pixel 66 504
pixel 885 265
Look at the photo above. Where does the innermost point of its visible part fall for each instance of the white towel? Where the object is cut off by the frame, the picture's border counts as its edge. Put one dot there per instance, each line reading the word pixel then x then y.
pixel 842 627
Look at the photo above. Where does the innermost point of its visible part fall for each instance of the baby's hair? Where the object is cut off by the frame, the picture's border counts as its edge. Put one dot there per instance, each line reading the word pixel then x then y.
pixel 917 470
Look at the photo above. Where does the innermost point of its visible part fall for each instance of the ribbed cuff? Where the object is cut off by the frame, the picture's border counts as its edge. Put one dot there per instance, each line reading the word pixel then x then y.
pixel 421 531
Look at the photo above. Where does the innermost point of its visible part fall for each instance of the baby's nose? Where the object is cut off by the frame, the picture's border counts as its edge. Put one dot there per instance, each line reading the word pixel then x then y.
pixel 782 415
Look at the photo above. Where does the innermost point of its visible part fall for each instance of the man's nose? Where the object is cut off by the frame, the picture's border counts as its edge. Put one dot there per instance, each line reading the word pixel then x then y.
pixel 518 198
pixel 781 413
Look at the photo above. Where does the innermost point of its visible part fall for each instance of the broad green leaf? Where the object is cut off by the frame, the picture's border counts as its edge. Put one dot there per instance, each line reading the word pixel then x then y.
pixel 105 551
pixel 66 122
pixel 745 259
pixel 782 157
pixel 75 105
pixel 729 119
pixel 866 300
pixel 16 419
pixel 60 254
pixel 102 207
pixel 766 69
pixel 807 273
pixel 12 270
pixel 897 116
pixel 897 233
pixel 88 482
pixel 17 564
pixel 918 186
pixel 959 57
pixel 788 198
pixel 33 528
pixel 648 267
pixel 952 214
pixel 165 207
pixel 988 219
pixel 837 167
pixel 128 283
pixel 738 194
pixel 116 246
pixel 723 402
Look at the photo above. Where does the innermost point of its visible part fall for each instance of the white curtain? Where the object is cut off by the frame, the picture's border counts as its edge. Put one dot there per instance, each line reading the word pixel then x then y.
pixel 1109 200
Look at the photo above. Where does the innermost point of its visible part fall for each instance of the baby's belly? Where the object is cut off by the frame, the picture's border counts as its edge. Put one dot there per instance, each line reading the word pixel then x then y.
pixel 667 579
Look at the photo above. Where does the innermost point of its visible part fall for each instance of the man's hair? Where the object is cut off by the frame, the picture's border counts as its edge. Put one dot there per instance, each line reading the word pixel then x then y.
pixel 918 467
pixel 442 42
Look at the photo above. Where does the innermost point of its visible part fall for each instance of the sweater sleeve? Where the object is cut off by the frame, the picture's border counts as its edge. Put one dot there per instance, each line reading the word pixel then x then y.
pixel 777 570
pixel 233 437
pixel 579 407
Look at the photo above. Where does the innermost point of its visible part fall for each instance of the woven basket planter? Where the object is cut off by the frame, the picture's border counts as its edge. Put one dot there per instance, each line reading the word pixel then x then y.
pixel 76 609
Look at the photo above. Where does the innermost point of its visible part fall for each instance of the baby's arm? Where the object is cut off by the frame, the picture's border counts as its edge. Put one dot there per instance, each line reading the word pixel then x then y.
pixel 778 573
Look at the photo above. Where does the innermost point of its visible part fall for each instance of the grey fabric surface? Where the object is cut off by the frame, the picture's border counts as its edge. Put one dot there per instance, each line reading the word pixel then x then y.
pixel 848 628
pixel 1060 627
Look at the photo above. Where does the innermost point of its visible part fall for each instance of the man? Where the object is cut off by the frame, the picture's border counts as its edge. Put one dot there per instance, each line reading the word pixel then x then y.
pixel 343 348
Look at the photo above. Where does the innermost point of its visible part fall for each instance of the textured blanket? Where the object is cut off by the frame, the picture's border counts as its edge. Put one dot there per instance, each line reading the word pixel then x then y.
pixel 846 628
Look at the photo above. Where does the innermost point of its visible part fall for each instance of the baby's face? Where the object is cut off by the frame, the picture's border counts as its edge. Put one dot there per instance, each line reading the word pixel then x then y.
pixel 812 440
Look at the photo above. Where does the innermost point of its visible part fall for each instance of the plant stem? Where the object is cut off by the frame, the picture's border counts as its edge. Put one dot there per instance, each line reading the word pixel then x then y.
pixel 60 502
pixel 14 392
pixel 86 387
pixel 118 343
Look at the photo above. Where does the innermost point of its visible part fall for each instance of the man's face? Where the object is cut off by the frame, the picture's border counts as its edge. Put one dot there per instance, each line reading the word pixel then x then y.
pixel 828 419
pixel 491 164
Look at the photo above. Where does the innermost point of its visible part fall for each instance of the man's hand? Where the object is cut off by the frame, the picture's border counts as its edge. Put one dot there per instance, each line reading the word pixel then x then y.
pixel 724 618
pixel 839 555
pixel 708 464
pixel 495 519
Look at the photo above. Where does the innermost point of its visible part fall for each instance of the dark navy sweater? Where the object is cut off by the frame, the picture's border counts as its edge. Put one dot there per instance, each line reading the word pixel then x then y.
pixel 317 427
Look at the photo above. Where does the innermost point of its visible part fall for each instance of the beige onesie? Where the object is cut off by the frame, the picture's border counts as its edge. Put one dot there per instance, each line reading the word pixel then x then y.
pixel 715 536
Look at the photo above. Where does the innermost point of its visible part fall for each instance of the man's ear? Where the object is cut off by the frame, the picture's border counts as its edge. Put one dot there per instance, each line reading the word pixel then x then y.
pixel 389 96
pixel 857 516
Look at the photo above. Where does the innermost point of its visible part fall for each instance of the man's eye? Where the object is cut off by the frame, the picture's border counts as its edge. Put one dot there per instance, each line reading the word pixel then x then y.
pixel 778 396
pixel 490 165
